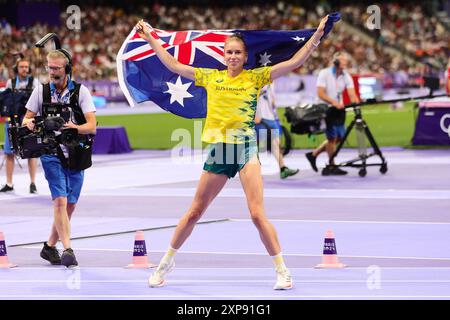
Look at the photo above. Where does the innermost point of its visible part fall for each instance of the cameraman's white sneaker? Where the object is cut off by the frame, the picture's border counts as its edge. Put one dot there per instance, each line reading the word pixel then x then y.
pixel 157 278
pixel 284 280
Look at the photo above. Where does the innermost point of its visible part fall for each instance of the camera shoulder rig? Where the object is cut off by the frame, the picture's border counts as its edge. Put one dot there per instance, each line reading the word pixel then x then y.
pixel 74 94
pixel 80 155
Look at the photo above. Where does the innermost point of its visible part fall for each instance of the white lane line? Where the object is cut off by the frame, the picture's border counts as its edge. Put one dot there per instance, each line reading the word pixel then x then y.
pixel 258 254
pixel 348 221
pixel 268 193
pixel 382 281
pixel 59 268
pixel 16 197
pixel 310 193
pixel 296 193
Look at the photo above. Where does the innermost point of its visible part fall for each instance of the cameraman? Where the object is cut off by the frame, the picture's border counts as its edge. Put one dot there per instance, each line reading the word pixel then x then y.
pixel 22 84
pixel 331 84
pixel 65 184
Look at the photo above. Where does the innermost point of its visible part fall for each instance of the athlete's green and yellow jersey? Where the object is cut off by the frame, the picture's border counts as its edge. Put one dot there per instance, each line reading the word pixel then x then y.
pixel 231 103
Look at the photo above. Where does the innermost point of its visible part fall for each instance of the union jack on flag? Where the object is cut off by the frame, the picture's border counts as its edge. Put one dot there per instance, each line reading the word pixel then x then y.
pixel 142 76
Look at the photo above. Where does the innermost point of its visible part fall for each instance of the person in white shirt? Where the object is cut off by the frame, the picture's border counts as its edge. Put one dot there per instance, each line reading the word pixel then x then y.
pixel 447 77
pixel 22 82
pixel 331 84
pixel 266 118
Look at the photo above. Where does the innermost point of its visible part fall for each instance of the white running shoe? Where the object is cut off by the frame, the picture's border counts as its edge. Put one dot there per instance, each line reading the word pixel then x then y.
pixel 157 278
pixel 284 280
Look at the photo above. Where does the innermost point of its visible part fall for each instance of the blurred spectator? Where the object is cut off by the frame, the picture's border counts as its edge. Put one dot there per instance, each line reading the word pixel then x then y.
pixel 447 77
pixel 104 29
pixel 406 27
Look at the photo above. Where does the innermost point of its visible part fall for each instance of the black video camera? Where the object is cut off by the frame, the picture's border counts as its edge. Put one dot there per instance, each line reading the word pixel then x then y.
pixel 48 132
pixel 307 118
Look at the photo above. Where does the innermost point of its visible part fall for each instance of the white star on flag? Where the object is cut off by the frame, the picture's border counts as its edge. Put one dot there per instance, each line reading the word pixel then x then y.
pixel 297 38
pixel 178 91
pixel 264 59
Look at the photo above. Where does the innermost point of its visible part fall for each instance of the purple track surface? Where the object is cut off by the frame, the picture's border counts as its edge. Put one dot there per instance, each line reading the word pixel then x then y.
pixel 391 230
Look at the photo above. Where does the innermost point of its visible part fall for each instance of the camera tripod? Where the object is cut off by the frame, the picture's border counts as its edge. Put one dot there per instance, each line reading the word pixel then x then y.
pixel 16 158
pixel 362 131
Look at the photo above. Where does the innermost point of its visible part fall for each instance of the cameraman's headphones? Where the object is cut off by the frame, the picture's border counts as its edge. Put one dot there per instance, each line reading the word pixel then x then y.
pixel 52 36
pixel 68 66
pixel 20 59
pixel 336 61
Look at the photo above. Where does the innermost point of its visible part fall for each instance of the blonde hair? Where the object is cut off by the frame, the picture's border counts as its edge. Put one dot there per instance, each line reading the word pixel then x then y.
pixel 339 54
pixel 55 54
pixel 238 37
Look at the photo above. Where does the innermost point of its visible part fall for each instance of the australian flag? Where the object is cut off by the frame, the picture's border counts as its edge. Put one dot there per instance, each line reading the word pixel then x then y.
pixel 142 76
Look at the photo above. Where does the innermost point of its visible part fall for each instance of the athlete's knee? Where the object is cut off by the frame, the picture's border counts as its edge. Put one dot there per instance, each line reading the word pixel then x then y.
pixel 257 215
pixel 195 213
